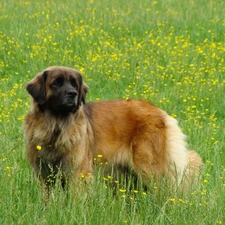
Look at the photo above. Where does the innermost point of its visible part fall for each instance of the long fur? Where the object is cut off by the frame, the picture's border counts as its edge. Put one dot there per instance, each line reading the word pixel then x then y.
pixel 127 133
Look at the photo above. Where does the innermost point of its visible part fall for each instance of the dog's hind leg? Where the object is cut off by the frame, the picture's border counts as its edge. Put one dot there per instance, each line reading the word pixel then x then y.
pixel 149 156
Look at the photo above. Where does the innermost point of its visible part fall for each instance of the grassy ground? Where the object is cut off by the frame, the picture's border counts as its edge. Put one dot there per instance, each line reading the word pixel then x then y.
pixel 168 52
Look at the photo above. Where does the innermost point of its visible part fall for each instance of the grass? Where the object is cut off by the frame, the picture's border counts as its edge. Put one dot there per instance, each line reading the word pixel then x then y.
pixel 168 52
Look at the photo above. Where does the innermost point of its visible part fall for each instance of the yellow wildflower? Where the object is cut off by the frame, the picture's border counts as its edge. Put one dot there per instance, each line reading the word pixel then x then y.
pixel 38 147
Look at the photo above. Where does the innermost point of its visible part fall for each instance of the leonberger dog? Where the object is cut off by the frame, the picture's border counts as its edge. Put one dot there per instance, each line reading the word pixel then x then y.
pixel 64 134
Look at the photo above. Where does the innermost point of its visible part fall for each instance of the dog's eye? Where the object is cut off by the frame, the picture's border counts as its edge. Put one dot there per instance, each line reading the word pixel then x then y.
pixel 58 82
pixel 73 82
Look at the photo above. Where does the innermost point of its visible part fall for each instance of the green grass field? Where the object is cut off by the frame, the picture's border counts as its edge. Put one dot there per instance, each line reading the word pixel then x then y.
pixel 171 53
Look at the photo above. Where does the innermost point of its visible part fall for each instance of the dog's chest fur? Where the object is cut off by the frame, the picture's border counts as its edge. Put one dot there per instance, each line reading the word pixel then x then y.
pixel 56 137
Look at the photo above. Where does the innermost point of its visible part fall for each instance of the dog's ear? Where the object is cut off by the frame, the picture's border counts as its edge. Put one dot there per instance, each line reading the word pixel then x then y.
pixel 36 87
pixel 82 92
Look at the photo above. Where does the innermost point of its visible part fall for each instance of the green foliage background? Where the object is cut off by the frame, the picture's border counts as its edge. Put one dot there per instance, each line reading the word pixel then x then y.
pixel 169 52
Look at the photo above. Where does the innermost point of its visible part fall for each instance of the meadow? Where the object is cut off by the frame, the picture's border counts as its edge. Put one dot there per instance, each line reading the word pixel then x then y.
pixel 169 52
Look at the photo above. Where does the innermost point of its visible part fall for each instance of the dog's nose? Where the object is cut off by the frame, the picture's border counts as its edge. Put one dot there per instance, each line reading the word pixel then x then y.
pixel 71 93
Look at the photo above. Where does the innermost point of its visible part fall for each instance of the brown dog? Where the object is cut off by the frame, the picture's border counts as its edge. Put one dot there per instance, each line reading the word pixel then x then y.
pixel 64 134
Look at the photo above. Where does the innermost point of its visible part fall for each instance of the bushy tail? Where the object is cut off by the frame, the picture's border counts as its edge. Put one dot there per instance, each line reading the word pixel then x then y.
pixel 194 166
pixel 183 166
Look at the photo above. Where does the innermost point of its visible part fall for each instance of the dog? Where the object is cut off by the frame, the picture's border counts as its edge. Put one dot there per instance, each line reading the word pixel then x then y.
pixel 64 134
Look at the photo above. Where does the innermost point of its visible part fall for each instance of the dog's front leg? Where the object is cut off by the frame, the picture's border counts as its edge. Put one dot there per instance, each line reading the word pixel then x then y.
pixel 83 164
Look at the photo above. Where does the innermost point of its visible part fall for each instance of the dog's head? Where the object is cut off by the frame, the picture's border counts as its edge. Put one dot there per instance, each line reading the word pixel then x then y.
pixel 58 89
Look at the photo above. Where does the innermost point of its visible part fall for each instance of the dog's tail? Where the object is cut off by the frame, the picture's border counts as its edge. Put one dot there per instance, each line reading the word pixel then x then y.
pixel 183 166
pixel 193 169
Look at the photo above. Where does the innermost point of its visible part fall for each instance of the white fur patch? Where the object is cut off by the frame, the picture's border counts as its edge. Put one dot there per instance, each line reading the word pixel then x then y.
pixel 176 149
